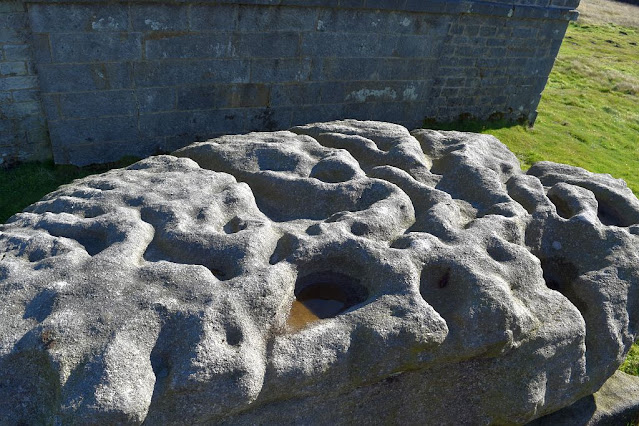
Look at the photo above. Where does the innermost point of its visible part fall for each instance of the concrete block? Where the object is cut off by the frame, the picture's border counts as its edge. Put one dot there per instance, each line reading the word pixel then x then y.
pixel 366 92
pixel 11 6
pixel 217 17
pixel 345 69
pixel 159 17
pixel 471 30
pixel 98 104
pixel 435 25
pixel 404 23
pixel 167 123
pixel 325 44
pixel 188 45
pixel 254 19
pixel 41 48
pixel 119 75
pixel 156 99
pixel 353 21
pixel 173 73
pixel 504 32
pixel 448 92
pixel 18 52
pixel 316 3
pixel 84 77
pixel 352 3
pixel 13 35
pixel 383 91
pixel 490 62
pixel 456 29
pixel 487 31
pixel 13 68
pixel 93 130
pixel 455 82
pixel 460 40
pixel 199 125
pixel 22 110
pixel 268 119
pixel 520 52
pixel 92 47
pixel 39 136
pixel 60 17
pixel 18 83
pixel 487 9
pixel 222 96
pixel 522 43
pixel 280 70
pixel 558 34
pixel 472 72
pixel 416 46
pixel 26 96
pixel 496 52
pixel 266 45
pixel 385 111
pixel 317 113
pixel 499 42
pixel 7 135
pixel 51 107
pixel 469 51
pixel 335 92
pixel 525 32
pixel 13 20
pixel 454 61
pixel 31 68
pixel 290 94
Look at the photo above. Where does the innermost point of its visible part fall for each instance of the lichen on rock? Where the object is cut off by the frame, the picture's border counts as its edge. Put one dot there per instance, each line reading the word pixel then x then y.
pixel 342 272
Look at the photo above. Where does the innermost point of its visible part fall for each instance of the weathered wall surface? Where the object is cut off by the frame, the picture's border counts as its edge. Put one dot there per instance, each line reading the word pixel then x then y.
pixel 23 132
pixel 145 77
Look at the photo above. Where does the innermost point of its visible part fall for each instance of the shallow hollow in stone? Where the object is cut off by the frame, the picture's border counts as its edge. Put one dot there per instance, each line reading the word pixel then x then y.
pixel 321 295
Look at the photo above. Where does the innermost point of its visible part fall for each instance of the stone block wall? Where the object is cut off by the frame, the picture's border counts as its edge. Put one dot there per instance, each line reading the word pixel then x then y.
pixel 142 77
pixel 493 68
pixel 23 131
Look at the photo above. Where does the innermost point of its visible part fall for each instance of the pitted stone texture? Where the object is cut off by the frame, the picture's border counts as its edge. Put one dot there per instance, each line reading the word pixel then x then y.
pixel 459 289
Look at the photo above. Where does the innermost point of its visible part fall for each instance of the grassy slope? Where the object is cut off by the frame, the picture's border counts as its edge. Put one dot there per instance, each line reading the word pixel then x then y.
pixel 631 365
pixel 27 183
pixel 589 112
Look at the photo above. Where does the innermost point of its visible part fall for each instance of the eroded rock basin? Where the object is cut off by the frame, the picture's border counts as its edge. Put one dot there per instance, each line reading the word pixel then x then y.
pixel 342 272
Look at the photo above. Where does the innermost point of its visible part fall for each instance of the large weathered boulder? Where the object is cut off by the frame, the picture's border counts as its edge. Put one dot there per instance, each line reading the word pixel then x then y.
pixel 343 272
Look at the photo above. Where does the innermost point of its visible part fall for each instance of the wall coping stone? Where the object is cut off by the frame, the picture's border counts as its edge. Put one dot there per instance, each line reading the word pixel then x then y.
pixel 522 11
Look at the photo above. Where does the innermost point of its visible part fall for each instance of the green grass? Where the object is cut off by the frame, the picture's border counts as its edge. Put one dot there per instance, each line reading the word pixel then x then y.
pixel 631 365
pixel 28 182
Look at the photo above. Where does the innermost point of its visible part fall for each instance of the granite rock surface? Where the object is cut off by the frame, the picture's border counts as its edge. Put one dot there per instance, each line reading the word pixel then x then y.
pixel 615 403
pixel 342 272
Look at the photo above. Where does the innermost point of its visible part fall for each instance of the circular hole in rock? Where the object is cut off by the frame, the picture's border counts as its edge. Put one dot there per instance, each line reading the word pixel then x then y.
pixel 359 228
pixel 323 295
